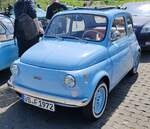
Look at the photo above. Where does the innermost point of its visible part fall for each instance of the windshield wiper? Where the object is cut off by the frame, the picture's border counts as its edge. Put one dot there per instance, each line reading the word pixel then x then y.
pixel 70 37
pixel 51 36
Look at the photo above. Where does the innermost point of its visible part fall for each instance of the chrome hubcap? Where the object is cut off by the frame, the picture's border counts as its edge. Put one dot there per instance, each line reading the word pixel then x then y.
pixel 99 101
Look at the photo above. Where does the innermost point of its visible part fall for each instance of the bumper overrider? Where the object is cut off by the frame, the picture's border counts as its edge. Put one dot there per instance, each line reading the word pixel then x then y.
pixel 57 100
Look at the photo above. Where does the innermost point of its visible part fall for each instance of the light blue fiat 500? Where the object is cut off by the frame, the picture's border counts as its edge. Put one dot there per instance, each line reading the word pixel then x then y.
pixel 82 57
pixel 8 48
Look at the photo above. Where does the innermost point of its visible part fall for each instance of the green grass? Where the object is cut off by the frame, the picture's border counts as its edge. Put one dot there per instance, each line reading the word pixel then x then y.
pixel 45 3
pixel 78 3
pixel 120 2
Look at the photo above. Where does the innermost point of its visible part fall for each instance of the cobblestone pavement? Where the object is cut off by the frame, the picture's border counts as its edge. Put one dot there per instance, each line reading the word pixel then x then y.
pixel 128 107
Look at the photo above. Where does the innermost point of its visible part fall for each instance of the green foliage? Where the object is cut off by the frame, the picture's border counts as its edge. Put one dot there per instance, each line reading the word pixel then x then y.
pixel 73 2
pixel 78 3
pixel 4 3
pixel 45 3
pixel 120 2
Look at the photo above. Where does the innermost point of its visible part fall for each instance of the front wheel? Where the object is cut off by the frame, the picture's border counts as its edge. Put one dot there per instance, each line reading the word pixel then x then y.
pixel 97 106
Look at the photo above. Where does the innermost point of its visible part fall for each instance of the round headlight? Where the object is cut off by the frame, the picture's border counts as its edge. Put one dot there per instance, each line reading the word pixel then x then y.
pixel 70 81
pixel 14 69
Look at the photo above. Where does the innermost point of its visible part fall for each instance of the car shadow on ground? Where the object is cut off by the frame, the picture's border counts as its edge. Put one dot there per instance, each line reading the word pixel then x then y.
pixel 23 116
pixel 4 76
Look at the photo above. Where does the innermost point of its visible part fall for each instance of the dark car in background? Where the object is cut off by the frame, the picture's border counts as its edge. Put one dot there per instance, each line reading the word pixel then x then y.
pixel 140 12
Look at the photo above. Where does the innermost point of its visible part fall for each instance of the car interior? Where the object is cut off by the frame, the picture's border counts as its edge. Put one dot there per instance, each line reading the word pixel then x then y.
pixel 91 29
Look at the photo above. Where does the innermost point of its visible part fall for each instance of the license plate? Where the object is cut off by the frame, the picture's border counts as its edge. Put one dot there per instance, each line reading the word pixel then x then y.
pixel 39 103
pixel 147 43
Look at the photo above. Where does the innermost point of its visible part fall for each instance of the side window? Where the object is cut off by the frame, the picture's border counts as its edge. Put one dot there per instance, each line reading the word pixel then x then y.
pixel 129 25
pixel 118 28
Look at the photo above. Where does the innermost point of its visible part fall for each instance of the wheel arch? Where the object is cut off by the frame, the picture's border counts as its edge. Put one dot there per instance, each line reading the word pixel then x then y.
pixel 102 76
pixel 106 80
pixel 99 78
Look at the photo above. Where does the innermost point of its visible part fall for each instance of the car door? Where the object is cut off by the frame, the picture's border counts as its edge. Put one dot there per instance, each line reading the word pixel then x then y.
pixel 8 48
pixel 134 48
pixel 119 49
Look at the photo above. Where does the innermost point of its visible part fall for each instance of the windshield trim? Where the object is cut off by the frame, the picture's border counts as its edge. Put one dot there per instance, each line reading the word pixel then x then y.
pixel 107 20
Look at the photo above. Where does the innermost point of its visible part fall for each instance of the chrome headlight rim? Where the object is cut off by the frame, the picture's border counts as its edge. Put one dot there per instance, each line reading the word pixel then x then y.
pixel 70 81
pixel 14 69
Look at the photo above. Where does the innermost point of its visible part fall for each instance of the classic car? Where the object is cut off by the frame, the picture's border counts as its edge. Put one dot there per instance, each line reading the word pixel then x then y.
pixel 8 48
pixel 140 12
pixel 84 54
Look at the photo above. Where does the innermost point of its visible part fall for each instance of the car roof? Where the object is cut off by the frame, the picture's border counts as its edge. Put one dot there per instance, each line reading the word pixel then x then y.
pixel 106 11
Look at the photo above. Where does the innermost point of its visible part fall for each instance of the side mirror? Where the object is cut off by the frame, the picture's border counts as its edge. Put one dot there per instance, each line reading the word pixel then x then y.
pixel 115 35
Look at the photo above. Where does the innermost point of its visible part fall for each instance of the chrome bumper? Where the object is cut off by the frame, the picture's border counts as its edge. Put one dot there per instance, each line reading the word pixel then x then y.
pixel 57 100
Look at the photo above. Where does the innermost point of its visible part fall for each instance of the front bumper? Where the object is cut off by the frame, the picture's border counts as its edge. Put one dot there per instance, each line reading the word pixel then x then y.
pixel 57 100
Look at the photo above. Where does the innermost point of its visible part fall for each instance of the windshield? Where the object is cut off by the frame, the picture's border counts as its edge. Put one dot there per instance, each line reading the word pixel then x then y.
pixel 8 24
pixel 78 26
pixel 139 9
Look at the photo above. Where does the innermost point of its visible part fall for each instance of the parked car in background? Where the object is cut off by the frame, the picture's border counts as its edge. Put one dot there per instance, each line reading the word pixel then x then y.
pixel 8 48
pixel 140 12
pixel 84 54
pixel 41 14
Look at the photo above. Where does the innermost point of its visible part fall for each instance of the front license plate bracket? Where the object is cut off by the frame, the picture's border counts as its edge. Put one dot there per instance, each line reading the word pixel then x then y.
pixel 38 102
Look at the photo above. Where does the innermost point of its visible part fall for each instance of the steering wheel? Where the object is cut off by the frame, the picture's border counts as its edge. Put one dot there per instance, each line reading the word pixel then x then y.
pixel 92 35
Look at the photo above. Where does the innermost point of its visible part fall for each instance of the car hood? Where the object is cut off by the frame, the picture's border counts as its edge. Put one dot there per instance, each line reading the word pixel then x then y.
pixel 64 55
pixel 140 20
